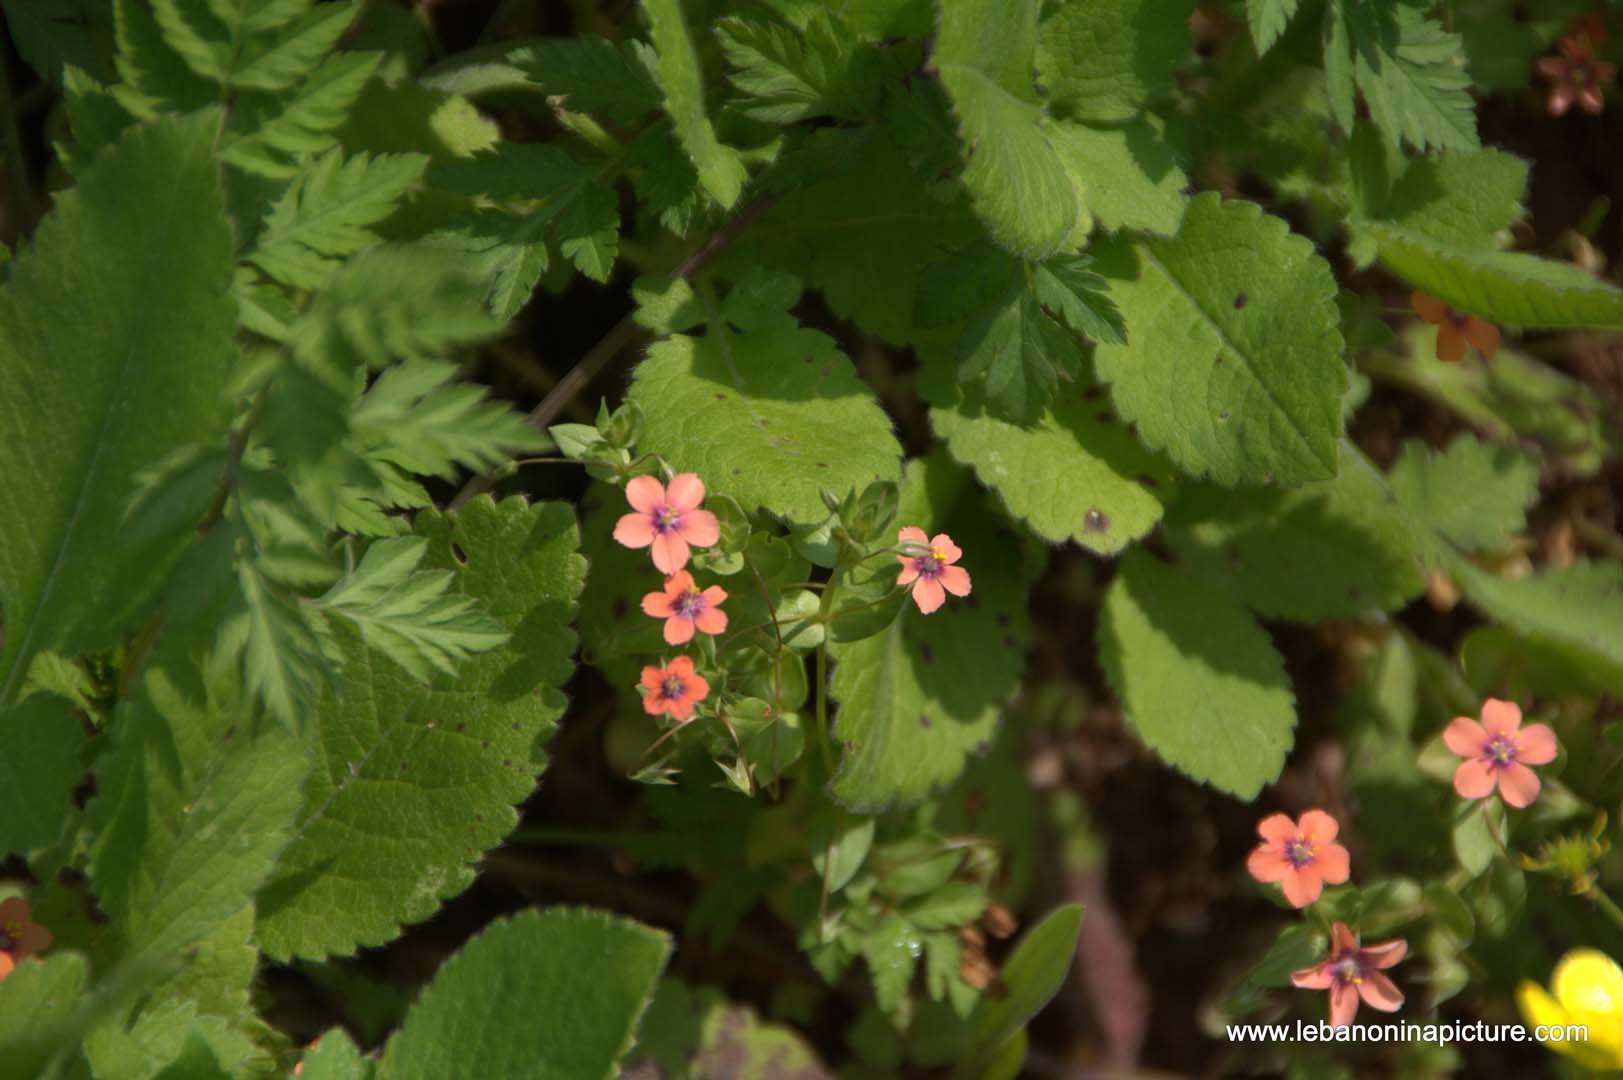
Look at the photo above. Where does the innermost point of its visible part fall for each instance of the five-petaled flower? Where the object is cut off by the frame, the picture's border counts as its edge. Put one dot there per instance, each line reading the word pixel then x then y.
pixel 668 519
pixel 1455 329
pixel 1301 855
pixel 1350 973
pixel 674 688
pixel 684 607
pixel 1575 76
pixel 929 568
pixel 20 935
pixel 1499 750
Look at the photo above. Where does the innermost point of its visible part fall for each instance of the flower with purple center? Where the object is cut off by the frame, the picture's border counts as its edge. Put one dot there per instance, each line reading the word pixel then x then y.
pixel 685 608
pixel 927 565
pixel 1497 752
pixel 1301 855
pixel 1352 974
pixel 1575 76
pixel 675 689
pixel 667 519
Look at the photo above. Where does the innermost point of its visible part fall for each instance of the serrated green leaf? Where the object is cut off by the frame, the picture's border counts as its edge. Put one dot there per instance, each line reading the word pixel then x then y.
pixel 1197 678
pixel 138 371
pixel 155 80
pixel 36 1004
pixel 336 1057
pixel 1077 474
pixel 721 169
pixel 326 214
pixel 271 134
pixel 1504 286
pixel 891 949
pixel 767 418
pixel 591 74
pixel 453 759
pixel 1101 61
pixel 1412 75
pixel 918 699
pixel 417 416
pixel 790 73
pixel 1475 494
pixel 52 35
pixel 1233 363
pixel 1459 200
pixel 1577 607
pixel 1129 173
pixel 1268 19
pixel 1330 550
pixel 588 231
pixel 228 46
pixel 38 771
pixel 564 987
pixel 279 640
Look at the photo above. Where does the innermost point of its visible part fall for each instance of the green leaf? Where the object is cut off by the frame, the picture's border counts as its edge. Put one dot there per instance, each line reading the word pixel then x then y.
pixel 1506 287
pixel 791 74
pixel 1475 494
pixel 418 417
pixel 891 949
pixel 1033 974
pixel 36 1004
pixel 156 81
pixel 409 615
pixel 1077 474
pixel 561 990
pixel 591 74
pixel 52 35
pixel 336 1057
pixel 1268 19
pixel 1233 363
pixel 1129 174
pixel 280 642
pixel 1578 607
pixel 997 39
pixel 1102 61
pixel 137 372
pixel 767 418
pixel 271 134
pixel 1412 75
pixel 38 772
pixel 588 231
pixel 326 214
pixel 721 169
pixel 453 759
pixel 1337 549
pixel 191 765
pixel 1197 678
pixel 1459 200
pixel 916 700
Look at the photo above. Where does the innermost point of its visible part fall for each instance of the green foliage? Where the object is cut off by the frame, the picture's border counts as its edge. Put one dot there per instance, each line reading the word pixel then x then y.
pixel 1177 650
pixel 721 170
pixel 1474 494
pixel 564 987
pixel 1104 62
pixel 1405 65
pixel 1034 973
pixel 40 769
pixel 1233 361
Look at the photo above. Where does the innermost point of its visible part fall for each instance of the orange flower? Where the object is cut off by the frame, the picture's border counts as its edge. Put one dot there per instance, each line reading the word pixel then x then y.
pixel 667 519
pixel 1576 75
pixel 1499 751
pixel 674 689
pixel 929 568
pixel 1301 855
pixel 1351 973
pixel 684 608
pixel 1454 329
pixel 20 935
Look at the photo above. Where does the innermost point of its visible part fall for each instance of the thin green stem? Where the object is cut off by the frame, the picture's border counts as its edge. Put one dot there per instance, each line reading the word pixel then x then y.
pixel 1608 905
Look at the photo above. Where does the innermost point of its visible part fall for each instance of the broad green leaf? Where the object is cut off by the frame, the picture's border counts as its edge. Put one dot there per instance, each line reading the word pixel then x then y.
pixel 1197 678
pixel 1578 607
pixel 1475 494
pixel 452 759
pixel 721 170
pixel 1268 19
pixel 1459 200
pixel 918 699
pixel 170 1039
pixel 336 1057
pixel 1506 287
pixel 326 214
pixel 138 371
pixel 38 772
pixel 766 417
pixel 997 39
pixel 1129 173
pixel 1408 69
pixel 1330 550
pixel 37 1002
pixel 1233 362
pixel 195 801
pixel 1077 474
pixel 1102 61
pixel 1033 974
pixel 556 993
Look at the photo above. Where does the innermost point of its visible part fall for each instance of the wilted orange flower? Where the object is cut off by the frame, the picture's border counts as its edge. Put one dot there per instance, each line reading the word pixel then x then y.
pixel 20 935
pixel 1455 329
pixel 1351 973
pixel 1576 76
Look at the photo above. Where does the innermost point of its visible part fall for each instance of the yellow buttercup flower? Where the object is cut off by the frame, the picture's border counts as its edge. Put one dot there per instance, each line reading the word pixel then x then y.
pixel 1588 988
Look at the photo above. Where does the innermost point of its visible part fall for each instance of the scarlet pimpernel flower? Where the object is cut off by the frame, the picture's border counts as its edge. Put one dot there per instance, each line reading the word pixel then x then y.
pixel 1498 751
pixel 927 565
pixel 1455 329
pixel 1352 974
pixel 685 608
pixel 1301 855
pixel 1576 76
pixel 20 936
pixel 674 689
pixel 667 519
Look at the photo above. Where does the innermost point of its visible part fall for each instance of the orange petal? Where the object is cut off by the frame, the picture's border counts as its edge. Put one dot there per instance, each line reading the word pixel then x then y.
pixel 928 595
pixel 1277 829
pixel 670 553
pixel 714 596
pixel 910 571
pixel 1518 785
pixel 1465 736
pixel 699 528
pixel 1302 886
pixel 1316 977
pixel 1332 864
pixel 1379 992
pixel 1318 827
pixel 950 552
pixel 658 605
pixel 711 621
pixel 1501 717
pixel 1484 336
pixel 685 492
pixel 1384 954
pixel 1560 99
pixel 1450 343
pixel 1535 745
pixel 681 667
pixel 634 531
pixel 1267 865
pixel 35 938
pixel 645 494
pixel 955 579
pixel 1428 307
pixel 1343 1004
pixel 678 630
pixel 653 677
pixel 6 964
pixel 695 688
pixel 14 911
pixel 1473 779
pixel 1342 940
